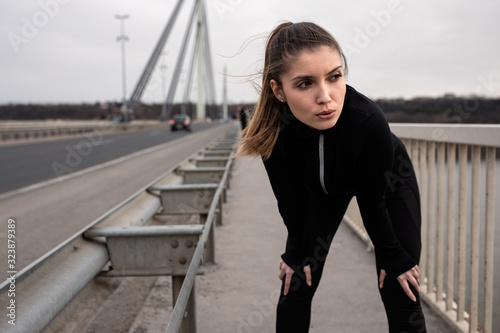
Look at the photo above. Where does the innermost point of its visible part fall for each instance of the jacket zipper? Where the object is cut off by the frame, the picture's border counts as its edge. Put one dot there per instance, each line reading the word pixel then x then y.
pixel 322 162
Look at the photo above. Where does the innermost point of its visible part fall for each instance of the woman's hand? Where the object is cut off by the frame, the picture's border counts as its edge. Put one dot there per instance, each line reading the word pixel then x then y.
pixel 286 272
pixel 405 279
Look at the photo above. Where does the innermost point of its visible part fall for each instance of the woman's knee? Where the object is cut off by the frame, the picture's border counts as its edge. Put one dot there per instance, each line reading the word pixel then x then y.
pixel 403 314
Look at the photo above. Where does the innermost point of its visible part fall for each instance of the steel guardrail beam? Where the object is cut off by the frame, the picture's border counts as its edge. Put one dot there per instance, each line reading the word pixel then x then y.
pixel 50 283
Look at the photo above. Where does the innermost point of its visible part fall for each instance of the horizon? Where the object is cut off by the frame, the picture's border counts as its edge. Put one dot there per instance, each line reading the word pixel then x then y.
pixel 423 97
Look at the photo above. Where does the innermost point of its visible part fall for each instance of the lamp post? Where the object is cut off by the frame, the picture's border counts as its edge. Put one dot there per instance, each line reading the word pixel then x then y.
pixel 122 38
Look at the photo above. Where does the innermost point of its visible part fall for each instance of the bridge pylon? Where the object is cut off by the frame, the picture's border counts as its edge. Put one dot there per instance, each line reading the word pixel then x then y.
pixel 201 60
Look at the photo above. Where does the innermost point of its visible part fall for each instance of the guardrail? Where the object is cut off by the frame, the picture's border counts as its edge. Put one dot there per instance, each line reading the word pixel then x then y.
pixel 12 132
pixel 457 266
pixel 179 322
pixel 55 281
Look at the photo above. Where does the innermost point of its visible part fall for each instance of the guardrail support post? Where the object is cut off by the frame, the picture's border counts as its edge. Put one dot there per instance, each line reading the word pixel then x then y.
pixel 188 324
pixel 210 244
pixel 218 215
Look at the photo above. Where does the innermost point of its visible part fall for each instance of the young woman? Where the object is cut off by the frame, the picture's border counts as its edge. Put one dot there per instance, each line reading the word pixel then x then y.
pixel 322 143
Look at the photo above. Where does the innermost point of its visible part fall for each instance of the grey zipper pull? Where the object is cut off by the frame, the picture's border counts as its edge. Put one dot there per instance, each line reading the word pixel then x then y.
pixel 322 162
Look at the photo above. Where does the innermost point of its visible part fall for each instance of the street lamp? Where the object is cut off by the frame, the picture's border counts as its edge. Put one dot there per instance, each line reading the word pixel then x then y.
pixel 122 38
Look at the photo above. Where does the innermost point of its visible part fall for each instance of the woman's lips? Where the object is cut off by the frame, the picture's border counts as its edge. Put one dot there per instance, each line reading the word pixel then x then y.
pixel 326 114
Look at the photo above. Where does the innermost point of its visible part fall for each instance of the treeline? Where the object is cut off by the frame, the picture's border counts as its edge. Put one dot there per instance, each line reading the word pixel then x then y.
pixel 447 109
pixel 101 111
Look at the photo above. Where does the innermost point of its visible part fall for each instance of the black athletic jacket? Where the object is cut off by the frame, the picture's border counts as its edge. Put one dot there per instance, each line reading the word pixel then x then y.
pixel 314 174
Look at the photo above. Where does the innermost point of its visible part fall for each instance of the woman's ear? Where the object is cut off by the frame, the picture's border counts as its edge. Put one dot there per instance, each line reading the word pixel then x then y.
pixel 278 92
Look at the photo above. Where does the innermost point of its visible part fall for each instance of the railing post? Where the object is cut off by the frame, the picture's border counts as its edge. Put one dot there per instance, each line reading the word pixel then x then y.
pixel 424 204
pixel 219 217
pixel 490 239
pixel 450 255
pixel 415 157
pixel 188 324
pixel 210 243
pixel 431 226
pixel 462 232
pixel 440 224
pixel 475 226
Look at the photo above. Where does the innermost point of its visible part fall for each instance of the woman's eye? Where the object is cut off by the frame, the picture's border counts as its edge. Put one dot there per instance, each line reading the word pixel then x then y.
pixel 304 84
pixel 335 76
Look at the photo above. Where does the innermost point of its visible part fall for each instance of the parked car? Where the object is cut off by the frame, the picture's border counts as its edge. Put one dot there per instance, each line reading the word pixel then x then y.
pixel 180 122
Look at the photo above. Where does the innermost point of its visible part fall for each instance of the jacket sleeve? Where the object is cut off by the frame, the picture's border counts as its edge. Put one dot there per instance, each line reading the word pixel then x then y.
pixel 292 200
pixel 373 175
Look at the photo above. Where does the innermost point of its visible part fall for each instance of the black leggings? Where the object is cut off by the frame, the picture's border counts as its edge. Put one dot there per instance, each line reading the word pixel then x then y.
pixel 404 315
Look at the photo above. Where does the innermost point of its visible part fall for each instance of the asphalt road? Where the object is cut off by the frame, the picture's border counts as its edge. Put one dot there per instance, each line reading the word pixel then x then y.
pixel 49 212
pixel 27 164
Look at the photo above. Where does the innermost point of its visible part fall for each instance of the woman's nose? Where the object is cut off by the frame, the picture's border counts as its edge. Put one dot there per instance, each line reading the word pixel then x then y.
pixel 323 95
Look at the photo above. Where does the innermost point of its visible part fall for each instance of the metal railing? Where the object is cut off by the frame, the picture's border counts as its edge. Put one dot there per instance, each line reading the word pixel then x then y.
pixel 16 131
pixel 52 283
pixel 455 167
pixel 186 290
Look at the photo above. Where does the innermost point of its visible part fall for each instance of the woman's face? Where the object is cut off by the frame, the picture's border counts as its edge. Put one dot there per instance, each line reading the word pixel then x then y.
pixel 314 87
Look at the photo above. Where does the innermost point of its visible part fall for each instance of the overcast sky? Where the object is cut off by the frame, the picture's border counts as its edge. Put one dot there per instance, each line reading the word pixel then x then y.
pixel 55 51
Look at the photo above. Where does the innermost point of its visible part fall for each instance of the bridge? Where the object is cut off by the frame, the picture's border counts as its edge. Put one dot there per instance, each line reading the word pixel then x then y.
pixel 215 219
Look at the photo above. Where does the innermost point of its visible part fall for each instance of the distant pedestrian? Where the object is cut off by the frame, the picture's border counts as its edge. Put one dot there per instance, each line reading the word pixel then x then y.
pixel 243 118
pixel 322 143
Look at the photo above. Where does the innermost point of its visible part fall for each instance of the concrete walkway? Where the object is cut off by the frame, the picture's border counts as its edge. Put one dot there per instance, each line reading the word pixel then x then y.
pixel 239 293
